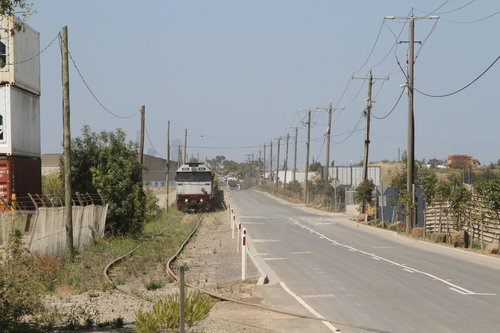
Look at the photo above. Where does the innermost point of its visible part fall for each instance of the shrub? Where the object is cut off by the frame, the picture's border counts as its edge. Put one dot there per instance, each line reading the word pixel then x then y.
pixel 166 314
pixel 20 291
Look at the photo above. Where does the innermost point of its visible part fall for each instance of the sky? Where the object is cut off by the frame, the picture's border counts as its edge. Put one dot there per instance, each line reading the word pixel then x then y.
pixel 240 74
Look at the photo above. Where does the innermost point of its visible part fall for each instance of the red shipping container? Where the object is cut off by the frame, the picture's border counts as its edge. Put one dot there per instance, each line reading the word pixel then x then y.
pixel 19 176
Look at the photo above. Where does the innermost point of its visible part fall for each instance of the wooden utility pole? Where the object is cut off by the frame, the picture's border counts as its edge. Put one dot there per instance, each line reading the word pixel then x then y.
pixel 278 165
pixel 168 163
pixel 141 144
pixel 328 136
pixel 410 167
pixel 264 163
pixel 294 173
pixel 367 113
pixel 271 162
pixel 306 187
pixel 286 160
pixel 68 203
pixel 185 145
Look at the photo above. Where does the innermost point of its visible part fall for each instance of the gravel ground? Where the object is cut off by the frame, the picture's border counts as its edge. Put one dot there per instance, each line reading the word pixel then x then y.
pixel 212 264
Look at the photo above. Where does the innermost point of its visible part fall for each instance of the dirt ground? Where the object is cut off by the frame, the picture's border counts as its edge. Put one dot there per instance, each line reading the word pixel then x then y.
pixel 213 264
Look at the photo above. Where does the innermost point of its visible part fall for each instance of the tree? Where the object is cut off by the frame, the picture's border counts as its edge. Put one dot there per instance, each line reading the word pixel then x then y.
pixel 315 167
pixel 459 199
pixel 364 193
pixel 20 8
pixel 106 164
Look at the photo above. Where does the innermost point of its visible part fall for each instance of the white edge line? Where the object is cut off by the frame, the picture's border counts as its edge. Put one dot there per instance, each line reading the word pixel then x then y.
pixel 308 307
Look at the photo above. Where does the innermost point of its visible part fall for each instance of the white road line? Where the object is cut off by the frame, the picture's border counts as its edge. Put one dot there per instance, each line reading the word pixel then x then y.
pixel 308 307
pixel 302 252
pixel 261 254
pixel 273 259
pixel 265 240
pixel 350 248
pixel 318 296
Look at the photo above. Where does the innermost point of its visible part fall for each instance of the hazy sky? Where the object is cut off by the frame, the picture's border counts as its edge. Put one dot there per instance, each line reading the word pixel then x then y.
pixel 238 74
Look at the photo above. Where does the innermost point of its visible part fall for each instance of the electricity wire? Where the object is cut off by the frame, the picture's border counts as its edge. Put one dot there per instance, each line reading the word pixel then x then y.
pixel 373 47
pixel 90 90
pixel 463 88
pixel 448 12
pixel 393 108
pixel 352 131
pixel 150 142
pixel 474 21
pixel 36 55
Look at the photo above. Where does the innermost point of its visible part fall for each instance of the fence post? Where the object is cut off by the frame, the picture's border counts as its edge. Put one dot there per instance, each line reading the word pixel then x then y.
pixel 182 296
pixel 233 221
pixel 239 237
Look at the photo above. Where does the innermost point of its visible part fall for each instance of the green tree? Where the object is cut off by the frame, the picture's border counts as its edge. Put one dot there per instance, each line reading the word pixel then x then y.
pixel 315 167
pixel 364 194
pixel 105 163
pixel 459 199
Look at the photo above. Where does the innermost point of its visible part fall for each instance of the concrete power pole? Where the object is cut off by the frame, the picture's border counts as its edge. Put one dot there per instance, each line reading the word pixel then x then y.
pixel 410 171
pixel 141 143
pixel 328 136
pixel 308 144
pixel 286 160
pixel 68 203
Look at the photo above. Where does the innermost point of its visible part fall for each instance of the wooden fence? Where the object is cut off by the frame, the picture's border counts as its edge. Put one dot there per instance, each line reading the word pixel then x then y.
pixel 480 222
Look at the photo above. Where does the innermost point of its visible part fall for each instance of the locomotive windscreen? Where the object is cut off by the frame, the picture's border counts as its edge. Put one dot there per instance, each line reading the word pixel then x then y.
pixel 193 176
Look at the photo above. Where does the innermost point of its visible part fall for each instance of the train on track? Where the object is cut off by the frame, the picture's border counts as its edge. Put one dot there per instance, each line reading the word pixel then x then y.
pixel 197 188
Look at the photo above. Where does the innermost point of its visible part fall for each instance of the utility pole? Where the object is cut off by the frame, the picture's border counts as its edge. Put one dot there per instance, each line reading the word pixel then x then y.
pixel 306 187
pixel 68 203
pixel 141 143
pixel 328 135
pixel 294 173
pixel 168 162
pixel 271 162
pixel 264 162
pixel 410 171
pixel 367 113
pixel 278 166
pixel 286 160
pixel 185 145
pixel 179 155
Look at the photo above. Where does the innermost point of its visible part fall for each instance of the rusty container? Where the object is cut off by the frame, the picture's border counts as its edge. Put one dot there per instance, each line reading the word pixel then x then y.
pixel 18 177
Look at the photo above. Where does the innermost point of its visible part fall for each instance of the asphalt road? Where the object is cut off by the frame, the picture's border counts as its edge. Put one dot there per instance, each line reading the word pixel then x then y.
pixel 365 278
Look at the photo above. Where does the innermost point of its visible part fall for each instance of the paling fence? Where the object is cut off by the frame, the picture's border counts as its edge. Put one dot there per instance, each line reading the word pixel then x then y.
pixel 41 222
pixel 478 220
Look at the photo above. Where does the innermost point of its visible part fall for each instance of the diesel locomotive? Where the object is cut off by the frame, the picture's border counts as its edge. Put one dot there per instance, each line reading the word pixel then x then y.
pixel 197 188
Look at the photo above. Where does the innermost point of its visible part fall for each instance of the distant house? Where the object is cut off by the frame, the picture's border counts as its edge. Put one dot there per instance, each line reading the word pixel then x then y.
pixel 154 172
pixel 461 161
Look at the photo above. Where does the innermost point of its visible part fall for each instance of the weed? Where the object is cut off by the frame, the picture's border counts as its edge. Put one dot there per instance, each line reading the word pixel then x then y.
pixel 154 284
pixel 166 315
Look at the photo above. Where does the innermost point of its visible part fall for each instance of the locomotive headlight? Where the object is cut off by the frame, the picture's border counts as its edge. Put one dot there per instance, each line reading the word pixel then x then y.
pixel 201 200
pixel 186 200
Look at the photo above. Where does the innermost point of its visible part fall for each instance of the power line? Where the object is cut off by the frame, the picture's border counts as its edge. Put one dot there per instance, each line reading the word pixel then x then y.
pixel 149 140
pixel 36 55
pixel 474 21
pixel 92 93
pixel 373 47
pixel 393 108
pixel 463 88
pixel 353 130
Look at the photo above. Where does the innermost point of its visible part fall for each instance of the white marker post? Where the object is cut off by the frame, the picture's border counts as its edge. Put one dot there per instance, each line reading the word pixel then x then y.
pixel 244 256
pixel 239 237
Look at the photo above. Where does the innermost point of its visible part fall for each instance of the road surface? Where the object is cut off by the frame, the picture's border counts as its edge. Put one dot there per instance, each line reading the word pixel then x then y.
pixel 364 278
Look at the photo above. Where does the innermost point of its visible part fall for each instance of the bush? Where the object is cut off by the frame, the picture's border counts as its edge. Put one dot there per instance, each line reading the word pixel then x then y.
pixel 166 314
pixel 20 289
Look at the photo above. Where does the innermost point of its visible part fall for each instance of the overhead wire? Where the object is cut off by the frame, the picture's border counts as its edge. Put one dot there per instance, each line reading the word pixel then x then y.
pixel 352 131
pixel 373 47
pixel 463 88
pixel 474 21
pixel 393 108
pixel 90 90
pixel 149 139
pixel 36 55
